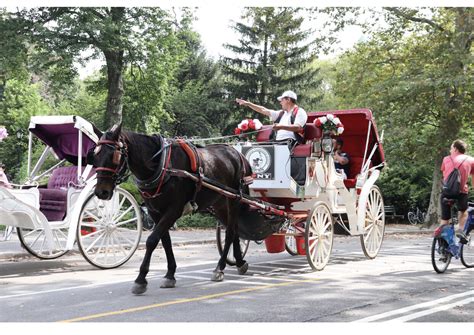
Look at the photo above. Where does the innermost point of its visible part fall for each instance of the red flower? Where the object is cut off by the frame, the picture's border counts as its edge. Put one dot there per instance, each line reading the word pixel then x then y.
pixel 251 124
pixel 317 122
pixel 237 131
pixel 245 126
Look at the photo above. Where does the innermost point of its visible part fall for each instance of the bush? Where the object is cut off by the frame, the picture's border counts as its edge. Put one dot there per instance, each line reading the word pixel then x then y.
pixel 197 220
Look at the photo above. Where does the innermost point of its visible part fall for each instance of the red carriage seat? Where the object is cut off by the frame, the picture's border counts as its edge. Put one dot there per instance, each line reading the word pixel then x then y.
pixel 311 132
pixel 264 134
pixel 53 199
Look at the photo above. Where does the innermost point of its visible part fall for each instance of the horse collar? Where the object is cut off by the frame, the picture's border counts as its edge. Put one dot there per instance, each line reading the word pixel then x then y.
pixel 160 177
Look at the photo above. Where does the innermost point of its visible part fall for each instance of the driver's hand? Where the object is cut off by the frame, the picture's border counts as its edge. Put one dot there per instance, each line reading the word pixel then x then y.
pixel 241 102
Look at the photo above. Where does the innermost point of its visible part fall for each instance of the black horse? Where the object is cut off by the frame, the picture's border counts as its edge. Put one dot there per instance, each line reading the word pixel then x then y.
pixel 150 159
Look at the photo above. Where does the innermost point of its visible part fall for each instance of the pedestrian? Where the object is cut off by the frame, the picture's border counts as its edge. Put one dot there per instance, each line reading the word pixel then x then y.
pixel 289 122
pixel 457 159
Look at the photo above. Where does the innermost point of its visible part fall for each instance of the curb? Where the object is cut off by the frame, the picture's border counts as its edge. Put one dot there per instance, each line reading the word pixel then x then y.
pixel 16 256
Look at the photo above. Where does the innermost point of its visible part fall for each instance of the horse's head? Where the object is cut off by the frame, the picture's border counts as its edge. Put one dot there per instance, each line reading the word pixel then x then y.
pixel 109 159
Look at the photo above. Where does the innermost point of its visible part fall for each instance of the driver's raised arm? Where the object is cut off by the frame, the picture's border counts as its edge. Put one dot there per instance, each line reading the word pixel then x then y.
pixel 257 108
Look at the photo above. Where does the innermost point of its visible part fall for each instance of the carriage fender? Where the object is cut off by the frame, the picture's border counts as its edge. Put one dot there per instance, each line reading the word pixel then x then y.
pixel 76 212
pixel 362 204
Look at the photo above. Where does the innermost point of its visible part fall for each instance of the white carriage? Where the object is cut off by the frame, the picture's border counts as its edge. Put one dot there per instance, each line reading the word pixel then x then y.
pixel 322 202
pixel 56 207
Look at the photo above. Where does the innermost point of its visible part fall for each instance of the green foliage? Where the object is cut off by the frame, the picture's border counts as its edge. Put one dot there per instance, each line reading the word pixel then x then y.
pixel 21 101
pixel 197 220
pixel 415 74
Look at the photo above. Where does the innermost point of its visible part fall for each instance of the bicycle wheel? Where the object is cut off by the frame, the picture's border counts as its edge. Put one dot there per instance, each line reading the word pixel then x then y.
pixel 412 218
pixel 467 251
pixel 440 255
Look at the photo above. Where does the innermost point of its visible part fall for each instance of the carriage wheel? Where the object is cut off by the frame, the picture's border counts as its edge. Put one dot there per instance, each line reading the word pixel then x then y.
pixel 374 226
pixel 290 241
pixel 34 241
pixel 319 234
pixel 109 231
pixel 220 237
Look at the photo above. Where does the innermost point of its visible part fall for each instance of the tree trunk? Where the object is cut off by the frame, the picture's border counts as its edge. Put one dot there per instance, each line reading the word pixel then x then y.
pixel 433 214
pixel 114 60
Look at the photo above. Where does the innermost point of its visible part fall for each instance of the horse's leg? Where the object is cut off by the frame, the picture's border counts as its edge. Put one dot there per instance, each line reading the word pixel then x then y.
pixel 232 210
pixel 169 279
pixel 160 229
pixel 218 274
pixel 242 265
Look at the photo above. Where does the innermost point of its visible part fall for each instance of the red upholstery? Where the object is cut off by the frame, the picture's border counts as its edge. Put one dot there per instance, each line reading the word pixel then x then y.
pixel 312 132
pixel 264 134
pixel 354 170
pixel 302 150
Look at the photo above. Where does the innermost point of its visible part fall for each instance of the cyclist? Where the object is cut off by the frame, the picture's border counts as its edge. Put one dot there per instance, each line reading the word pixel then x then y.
pixel 465 164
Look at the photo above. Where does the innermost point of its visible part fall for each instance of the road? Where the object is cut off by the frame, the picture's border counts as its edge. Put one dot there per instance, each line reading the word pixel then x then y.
pixel 397 286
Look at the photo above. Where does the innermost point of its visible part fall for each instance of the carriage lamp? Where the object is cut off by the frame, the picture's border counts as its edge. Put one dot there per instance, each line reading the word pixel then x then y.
pixel 327 144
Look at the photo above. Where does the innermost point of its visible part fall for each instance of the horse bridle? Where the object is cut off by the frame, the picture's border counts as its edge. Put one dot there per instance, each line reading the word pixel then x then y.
pixel 118 174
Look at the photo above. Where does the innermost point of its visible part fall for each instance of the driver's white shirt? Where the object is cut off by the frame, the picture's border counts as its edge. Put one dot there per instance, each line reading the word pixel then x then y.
pixel 300 120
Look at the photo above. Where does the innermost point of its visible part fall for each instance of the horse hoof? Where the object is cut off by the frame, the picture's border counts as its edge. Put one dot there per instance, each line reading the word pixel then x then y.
pixel 243 269
pixel 139 289
pixel 168 283
pixel 217 276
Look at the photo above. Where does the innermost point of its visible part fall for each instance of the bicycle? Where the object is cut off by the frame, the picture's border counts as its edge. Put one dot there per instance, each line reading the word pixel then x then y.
pixel 416 216
pixel 446 245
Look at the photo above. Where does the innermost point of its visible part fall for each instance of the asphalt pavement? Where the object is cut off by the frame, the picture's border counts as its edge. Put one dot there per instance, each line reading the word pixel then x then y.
pixel 12 249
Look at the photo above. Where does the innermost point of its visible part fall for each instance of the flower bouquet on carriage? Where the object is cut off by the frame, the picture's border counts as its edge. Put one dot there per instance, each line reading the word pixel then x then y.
pixel 329 124
pixel 247 129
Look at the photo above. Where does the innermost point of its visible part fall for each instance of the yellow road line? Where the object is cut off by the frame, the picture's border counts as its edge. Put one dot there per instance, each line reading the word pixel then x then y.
pixel 182 301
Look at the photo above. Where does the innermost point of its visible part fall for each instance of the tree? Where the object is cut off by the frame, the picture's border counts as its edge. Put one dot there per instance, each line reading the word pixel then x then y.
pixel 416 71
pixel 62 35
pixel 197 100
pixel 274 54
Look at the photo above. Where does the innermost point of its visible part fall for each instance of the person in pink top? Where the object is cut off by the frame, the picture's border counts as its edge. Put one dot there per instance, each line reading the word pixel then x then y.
pixel 465 164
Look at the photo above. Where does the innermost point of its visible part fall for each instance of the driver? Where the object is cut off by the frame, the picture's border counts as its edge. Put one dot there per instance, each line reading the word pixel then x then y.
pixel 289 122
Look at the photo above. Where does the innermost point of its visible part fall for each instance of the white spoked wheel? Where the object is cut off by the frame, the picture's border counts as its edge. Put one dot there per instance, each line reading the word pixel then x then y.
pixel 374 226
pixel 109 231
pixel 319 235
pixel 290 241
pixel 295 227
pixel 34 240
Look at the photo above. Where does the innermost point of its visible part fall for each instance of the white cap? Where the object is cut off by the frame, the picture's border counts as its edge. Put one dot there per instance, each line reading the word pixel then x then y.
pixel 287 94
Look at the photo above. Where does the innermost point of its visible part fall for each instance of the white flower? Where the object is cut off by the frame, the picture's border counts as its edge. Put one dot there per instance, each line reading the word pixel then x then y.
pixel 323 119
pixel 246 122
pixel 258 124
pixel 330 117
pixel 340 130
pixel 336 121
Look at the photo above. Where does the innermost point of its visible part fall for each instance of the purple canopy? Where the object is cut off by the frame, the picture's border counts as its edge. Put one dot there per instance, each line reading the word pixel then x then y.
pixel 61 134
